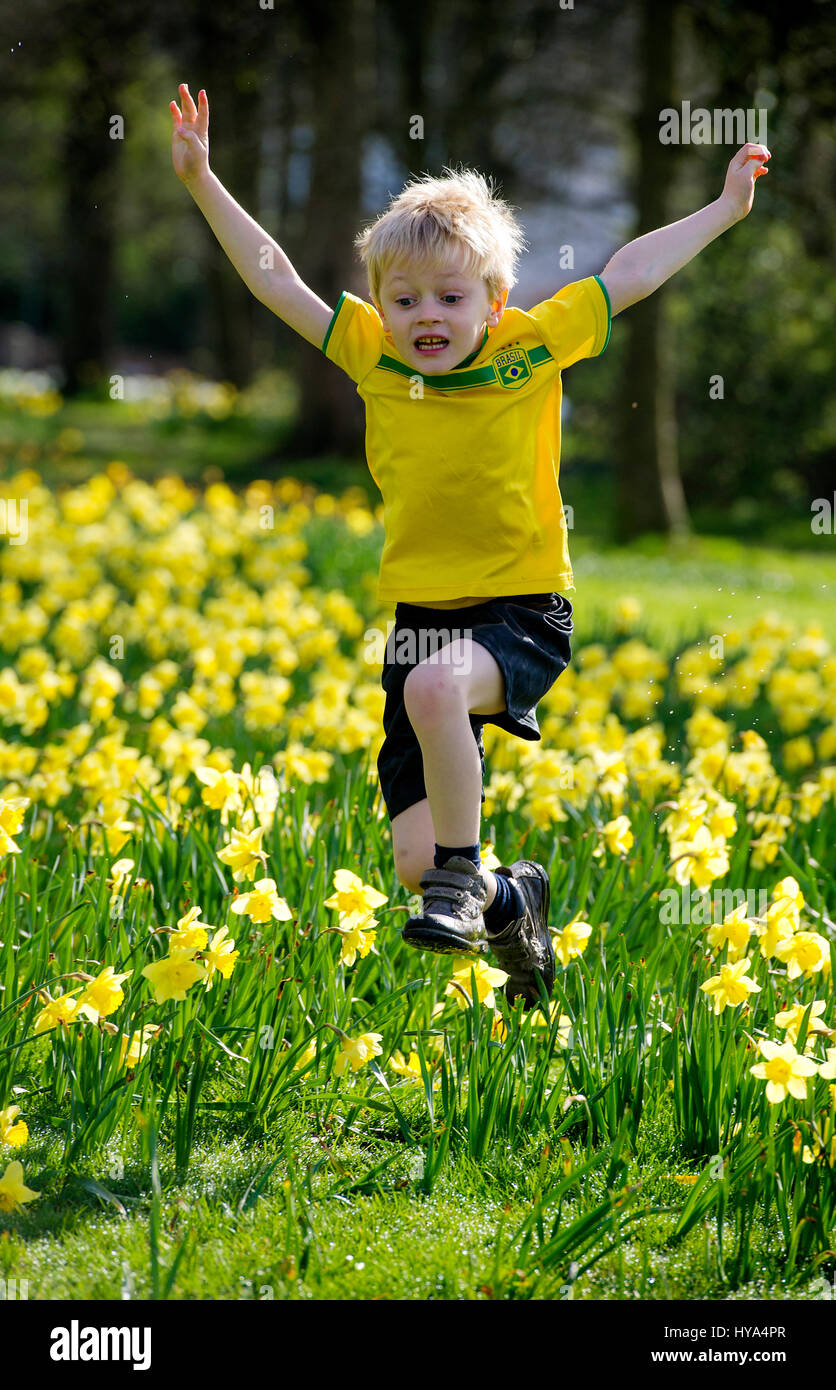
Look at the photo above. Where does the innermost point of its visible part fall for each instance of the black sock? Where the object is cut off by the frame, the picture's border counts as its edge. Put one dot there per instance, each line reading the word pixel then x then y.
pixel 471 852
pixel 506 907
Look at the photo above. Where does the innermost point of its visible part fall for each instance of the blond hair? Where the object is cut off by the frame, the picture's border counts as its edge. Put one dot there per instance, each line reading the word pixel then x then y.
pixel 431 216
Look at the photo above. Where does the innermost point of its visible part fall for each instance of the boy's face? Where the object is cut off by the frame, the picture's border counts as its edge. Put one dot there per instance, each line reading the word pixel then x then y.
pixel 436 312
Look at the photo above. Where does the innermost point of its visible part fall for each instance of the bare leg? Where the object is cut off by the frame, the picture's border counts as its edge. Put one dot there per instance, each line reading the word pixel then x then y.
pixel 438 697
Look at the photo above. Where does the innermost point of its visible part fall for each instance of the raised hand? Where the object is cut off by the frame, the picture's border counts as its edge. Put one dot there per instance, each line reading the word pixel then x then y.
pixel 739 189
pixel 190 135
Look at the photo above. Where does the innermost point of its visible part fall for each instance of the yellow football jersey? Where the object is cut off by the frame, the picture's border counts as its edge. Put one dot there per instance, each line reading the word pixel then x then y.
pixel 467 461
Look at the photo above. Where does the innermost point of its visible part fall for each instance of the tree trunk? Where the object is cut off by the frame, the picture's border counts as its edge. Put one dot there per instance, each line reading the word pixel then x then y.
pixel 330 414
pixel 649 490
pixel 90 166
pixel 231 68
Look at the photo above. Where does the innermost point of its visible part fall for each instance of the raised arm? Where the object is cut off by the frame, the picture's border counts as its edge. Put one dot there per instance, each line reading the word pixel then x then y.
pixel 259 260
pixel 643 265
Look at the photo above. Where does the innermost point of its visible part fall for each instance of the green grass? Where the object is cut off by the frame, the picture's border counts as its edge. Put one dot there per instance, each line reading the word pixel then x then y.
pixel 313 1212
pixel 217 1169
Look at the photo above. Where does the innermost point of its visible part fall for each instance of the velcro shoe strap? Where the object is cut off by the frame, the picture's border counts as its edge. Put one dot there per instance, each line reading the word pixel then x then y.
pixel 447 883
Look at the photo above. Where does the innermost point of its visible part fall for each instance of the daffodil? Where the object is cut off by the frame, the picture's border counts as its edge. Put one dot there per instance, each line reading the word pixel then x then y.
pixel 410 1068
pixel 63 1009
pixel 823 1151
pixel 13 1193
pixel 221 790
pixel 783 916
pixel 171 977
pixel 352 897
pixel 804 953
pixel 734 931
pixel 564 1022
pixel 11 821
pixel 191 934
pixel 828 1069
pixel 120 870
pixel 13 1132
pixel 103 995
pixel 572 940
pixel 700 860
pixel 487 980
pixel 305 1057
pixel 244 854
pixel 790 1020
pixel 132 1049
pixel 220 955
pixel 785 1071
pixel 355 1052
pixel 732 986
pixel 262 903
pixel 357 940
pixel 617 836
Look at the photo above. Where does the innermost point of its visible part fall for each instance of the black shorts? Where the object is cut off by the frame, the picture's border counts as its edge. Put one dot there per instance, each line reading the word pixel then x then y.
pixel 529 637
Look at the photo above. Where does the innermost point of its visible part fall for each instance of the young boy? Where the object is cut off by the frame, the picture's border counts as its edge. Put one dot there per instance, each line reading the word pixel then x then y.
pixel 462 399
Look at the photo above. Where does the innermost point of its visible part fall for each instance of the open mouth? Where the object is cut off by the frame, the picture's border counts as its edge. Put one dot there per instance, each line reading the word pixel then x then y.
pixel 430 343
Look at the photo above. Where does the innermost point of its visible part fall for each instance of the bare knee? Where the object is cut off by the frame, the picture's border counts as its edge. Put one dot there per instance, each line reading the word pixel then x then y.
pixel 430 692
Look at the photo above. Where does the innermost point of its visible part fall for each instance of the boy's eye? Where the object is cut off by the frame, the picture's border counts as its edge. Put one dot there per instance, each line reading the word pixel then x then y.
pixel 451 298
pixel 403 301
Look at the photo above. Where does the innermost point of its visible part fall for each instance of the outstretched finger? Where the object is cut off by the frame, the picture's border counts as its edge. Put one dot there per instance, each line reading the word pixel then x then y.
pixel 176 114
pixel 202 113
pixel 189 108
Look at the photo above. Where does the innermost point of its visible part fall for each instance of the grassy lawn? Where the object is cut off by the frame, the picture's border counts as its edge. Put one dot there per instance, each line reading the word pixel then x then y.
pixel 502 1157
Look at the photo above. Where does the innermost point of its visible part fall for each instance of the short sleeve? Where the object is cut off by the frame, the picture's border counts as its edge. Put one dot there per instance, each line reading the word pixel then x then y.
pixel 574 323
pixel 355 338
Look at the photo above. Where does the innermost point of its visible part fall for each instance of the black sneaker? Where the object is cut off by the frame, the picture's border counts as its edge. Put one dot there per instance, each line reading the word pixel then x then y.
pixel 524 948
pixel 451 918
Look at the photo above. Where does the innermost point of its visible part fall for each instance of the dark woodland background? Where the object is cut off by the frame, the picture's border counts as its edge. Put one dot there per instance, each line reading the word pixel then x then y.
pixel 107 265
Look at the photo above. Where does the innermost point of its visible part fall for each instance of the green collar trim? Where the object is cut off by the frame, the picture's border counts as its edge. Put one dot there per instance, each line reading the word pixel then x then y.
pixel 458 380
pixel 609 310
pixel 333 320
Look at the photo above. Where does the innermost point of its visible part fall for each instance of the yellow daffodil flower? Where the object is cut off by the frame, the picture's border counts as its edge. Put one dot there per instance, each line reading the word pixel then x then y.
pixel 11 1133
pixel 12 1191
pixel 220 956
pixel 262 903
pixel 804 953
pixel 357 1051
pixel 790 1021
pixel 487 979
pixel 357 939
pixel 132 1049
pixel 785 1071
pixel 103 995
pixel 171 977
pixel 572 941
pixel 244 854
pixel 734 931
pixel 352 897
pixel 731 987
pixel 700 860
pixel 64 1009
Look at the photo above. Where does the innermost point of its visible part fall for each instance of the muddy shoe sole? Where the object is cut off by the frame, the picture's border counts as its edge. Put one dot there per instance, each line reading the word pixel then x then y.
pixel 444 941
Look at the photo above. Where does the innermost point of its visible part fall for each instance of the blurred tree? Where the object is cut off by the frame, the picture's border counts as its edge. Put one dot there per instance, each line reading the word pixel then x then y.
pixel 339 87
pixel 95 42
pixel 649 492
pixel 229 52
